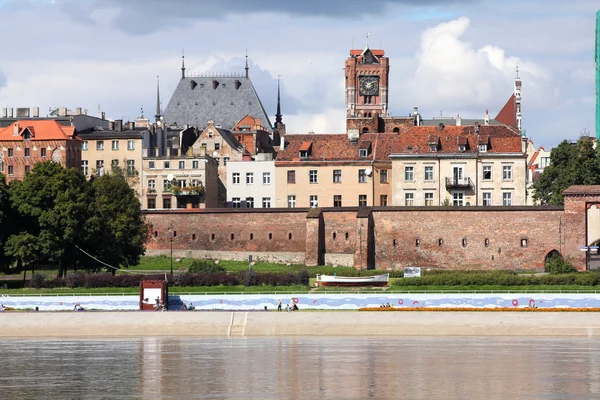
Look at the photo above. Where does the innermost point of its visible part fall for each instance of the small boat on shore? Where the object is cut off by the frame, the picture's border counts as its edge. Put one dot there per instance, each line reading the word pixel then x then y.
pixel 334 280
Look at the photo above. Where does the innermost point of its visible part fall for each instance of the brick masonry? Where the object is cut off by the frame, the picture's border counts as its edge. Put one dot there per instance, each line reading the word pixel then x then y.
pixel 381 237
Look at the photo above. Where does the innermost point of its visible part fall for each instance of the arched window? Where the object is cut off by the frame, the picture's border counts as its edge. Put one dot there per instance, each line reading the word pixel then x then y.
pixel 396 130
pixel 365 130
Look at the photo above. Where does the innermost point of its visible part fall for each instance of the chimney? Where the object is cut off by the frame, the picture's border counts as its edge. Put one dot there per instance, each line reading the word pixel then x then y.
pixel 10 113
pixel 417 116
pixel 111 125
pixel 78 111
pixel 102 115
pixel 118 125
pixel 486 120
pixel 36 112
pixel 131 126
pixel 4 112
pixel 62 111
pixel 282 144
pixel 16 129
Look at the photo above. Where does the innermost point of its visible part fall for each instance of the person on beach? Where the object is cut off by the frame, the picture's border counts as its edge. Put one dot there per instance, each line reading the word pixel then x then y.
pixel 279 305
pixel 2 308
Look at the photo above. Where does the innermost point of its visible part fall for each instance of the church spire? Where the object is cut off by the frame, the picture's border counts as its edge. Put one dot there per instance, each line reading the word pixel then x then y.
pixel 278 115
pixel 246 63
pixel 182 64
pixel 158 114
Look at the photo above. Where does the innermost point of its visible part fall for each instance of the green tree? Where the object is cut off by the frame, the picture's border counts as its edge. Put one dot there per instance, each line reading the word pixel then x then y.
pixel 53 203
pixel 7 223
pixel 569 165
pixel 116 231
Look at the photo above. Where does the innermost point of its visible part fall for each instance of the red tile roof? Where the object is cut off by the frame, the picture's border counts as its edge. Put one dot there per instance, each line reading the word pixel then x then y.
pixel 40 130
pixel 508 114
pixel 376 52
pixel 305 146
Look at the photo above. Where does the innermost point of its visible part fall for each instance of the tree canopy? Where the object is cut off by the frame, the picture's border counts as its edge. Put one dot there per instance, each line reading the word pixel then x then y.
pixel 569 165
pixel 57 213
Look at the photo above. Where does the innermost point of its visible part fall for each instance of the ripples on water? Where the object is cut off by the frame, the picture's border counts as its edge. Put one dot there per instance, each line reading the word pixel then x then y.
pixel 301 368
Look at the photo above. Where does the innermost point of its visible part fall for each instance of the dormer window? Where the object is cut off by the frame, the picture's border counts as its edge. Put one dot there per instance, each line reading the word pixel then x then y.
pixel 364 149
pixel 305 149
pixel 461 147
pixel 483 148
pixel 363 152
pixel 433 148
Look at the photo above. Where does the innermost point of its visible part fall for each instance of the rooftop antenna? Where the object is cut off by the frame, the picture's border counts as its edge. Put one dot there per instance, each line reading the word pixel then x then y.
pixel 246 63
pixel 182 64
pixel 368 39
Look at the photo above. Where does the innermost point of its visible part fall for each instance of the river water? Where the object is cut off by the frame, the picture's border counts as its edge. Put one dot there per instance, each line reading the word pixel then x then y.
pixel 301 368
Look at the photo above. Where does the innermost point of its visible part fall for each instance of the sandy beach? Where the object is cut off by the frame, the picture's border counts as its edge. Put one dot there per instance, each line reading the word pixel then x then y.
pixel 248 324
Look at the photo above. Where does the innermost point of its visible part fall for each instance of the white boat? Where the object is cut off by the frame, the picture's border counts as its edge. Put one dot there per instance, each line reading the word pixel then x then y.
pixel 334 280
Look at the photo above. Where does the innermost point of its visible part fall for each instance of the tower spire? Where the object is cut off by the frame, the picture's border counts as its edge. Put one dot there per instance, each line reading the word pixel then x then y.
pixel 182 64
pixel 158 114
pixel 278 115
pixel 518 85
pixel 246 63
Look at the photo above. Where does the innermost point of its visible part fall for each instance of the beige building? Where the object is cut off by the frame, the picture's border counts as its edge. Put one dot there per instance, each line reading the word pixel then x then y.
pixel 459 166
pixel 102 151
pixel 333 171
pixel 170 182
pixel 537 160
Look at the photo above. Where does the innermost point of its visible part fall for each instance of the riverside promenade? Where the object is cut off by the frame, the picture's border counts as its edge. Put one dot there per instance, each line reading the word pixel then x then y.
pixel 310 323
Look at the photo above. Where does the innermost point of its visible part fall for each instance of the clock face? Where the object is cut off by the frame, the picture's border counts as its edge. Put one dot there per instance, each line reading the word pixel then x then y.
pixel 369 85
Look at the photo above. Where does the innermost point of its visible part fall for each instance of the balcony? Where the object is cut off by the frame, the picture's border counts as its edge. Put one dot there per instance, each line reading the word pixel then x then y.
pixel 188 191
pixel 455 182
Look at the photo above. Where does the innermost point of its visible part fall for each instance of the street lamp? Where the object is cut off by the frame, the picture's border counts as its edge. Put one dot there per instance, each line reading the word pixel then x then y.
pixel 171 231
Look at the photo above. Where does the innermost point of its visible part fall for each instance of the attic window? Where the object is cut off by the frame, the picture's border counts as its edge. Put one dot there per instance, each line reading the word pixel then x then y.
pixel 409 148
pixel 433 148
pixel 483 148
pixel 215 84
pixel 210 134
pixel 461 147
pixel 237 84
pixel 193 85
pixel 305 149
pixel 364 149
pixel 363 152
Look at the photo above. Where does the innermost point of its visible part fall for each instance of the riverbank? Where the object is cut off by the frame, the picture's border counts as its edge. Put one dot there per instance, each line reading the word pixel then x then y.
pixel 273 323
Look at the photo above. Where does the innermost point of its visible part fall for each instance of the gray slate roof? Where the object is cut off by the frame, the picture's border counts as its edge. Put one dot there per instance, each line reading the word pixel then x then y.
pixel 196 100
pixel 452 121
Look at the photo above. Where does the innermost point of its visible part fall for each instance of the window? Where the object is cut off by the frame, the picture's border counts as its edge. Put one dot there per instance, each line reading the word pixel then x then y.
pixel 11 153
pixel 362 200
pixel 464 242
pixel 11 170
pixel 100 145
pixel 483 148
pixel 43 152
pixel 235 178
pixel 130 145
pixel 167 164
pixel 217 146
pixel 100 167
pixel 181 164
pixel 152 203
pixel 151 185
pixel 507 172
pixel 266 178
pixel 507 199
pixel 266 202
pixel 249 178
pixel 523 242
pixel 428 173
pixel 84 167
pixel 458 199
pixel 363 152
pixel 166 185
pixel 114 164
pixel 383 176
pixel 166 203
pixel 337 200
pixel 486 242
pixel 487 198
pixel 314 200
pixel 544 162
pixel 225 160
pixel 337 176
pixel 383 200
pixel 235 202
pixel 130 167
pixel 292 201
pixel 84 145
pixel 487 172
pixel 417 242
pixel 440 242
pixel 429 199
pixel 362 176
pixel 408 173
pixel 27 152
pixel 210 134
pixel 249 202
pixel 409 199
pixel 115 145
pixel 150 164
pixel 195 164
pixel 312 176
pixel 27 168
pixel 291 176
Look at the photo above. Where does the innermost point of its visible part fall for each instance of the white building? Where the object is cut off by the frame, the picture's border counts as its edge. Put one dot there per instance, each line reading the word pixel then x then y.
pixel 251 184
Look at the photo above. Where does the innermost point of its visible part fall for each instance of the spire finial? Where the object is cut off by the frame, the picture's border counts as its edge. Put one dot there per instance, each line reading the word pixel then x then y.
pixel 157 116
pixel 368 34
pixel 182 64
pixel 278 115
pixel 246 63
pixel 517 69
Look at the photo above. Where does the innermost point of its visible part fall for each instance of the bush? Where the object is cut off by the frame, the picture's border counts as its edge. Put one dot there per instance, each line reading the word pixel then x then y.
pixel 556 265
pixel 206 266
pixel 249 278
pixel 37 281
pixel 75 279
pixel 303 277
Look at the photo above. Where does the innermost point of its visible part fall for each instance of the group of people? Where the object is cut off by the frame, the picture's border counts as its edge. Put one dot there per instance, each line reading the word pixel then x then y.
pixel 78 307
pixel 2 308
pixel 293 307
pixel 383 305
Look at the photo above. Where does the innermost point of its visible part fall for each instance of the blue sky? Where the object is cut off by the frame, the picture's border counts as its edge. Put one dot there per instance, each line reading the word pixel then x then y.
pixel 447 57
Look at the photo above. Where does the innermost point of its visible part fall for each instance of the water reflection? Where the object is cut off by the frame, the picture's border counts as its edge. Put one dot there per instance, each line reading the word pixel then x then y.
pixel 301 368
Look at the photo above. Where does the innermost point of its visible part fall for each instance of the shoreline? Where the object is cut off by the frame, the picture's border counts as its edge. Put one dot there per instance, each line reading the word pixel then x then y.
pixel 280 324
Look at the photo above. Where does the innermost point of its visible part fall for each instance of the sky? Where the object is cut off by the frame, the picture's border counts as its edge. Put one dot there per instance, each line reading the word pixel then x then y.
pixel 447 57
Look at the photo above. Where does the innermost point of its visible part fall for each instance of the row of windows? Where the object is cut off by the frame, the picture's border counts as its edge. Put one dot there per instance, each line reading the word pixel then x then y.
pixel 114 145
pixel 167 184
pixel 235 178
pixel 458 198
pixel 100 166
pixel 11 169
pixel 236 202
pixel 337 200
pixel 464 242
pixel 232 236
pixel 313 176
pixel 458 173
pixel 181 164
pixel 11 152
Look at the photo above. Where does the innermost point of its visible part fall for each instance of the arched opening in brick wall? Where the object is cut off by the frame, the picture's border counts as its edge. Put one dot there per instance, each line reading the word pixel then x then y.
pixel 551 254
pixel 594 257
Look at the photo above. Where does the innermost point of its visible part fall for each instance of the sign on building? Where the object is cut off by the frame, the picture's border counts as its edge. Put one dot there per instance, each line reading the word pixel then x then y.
pixel 412 272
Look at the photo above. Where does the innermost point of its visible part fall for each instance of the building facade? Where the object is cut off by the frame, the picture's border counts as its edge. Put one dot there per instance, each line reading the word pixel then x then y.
pixel 27 142
pixel 252 183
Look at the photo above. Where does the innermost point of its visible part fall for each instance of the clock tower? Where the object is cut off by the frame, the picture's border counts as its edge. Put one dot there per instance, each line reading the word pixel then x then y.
pixel 367 73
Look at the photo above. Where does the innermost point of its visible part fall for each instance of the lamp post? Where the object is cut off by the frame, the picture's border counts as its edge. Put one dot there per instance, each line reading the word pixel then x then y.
pixel 171 230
